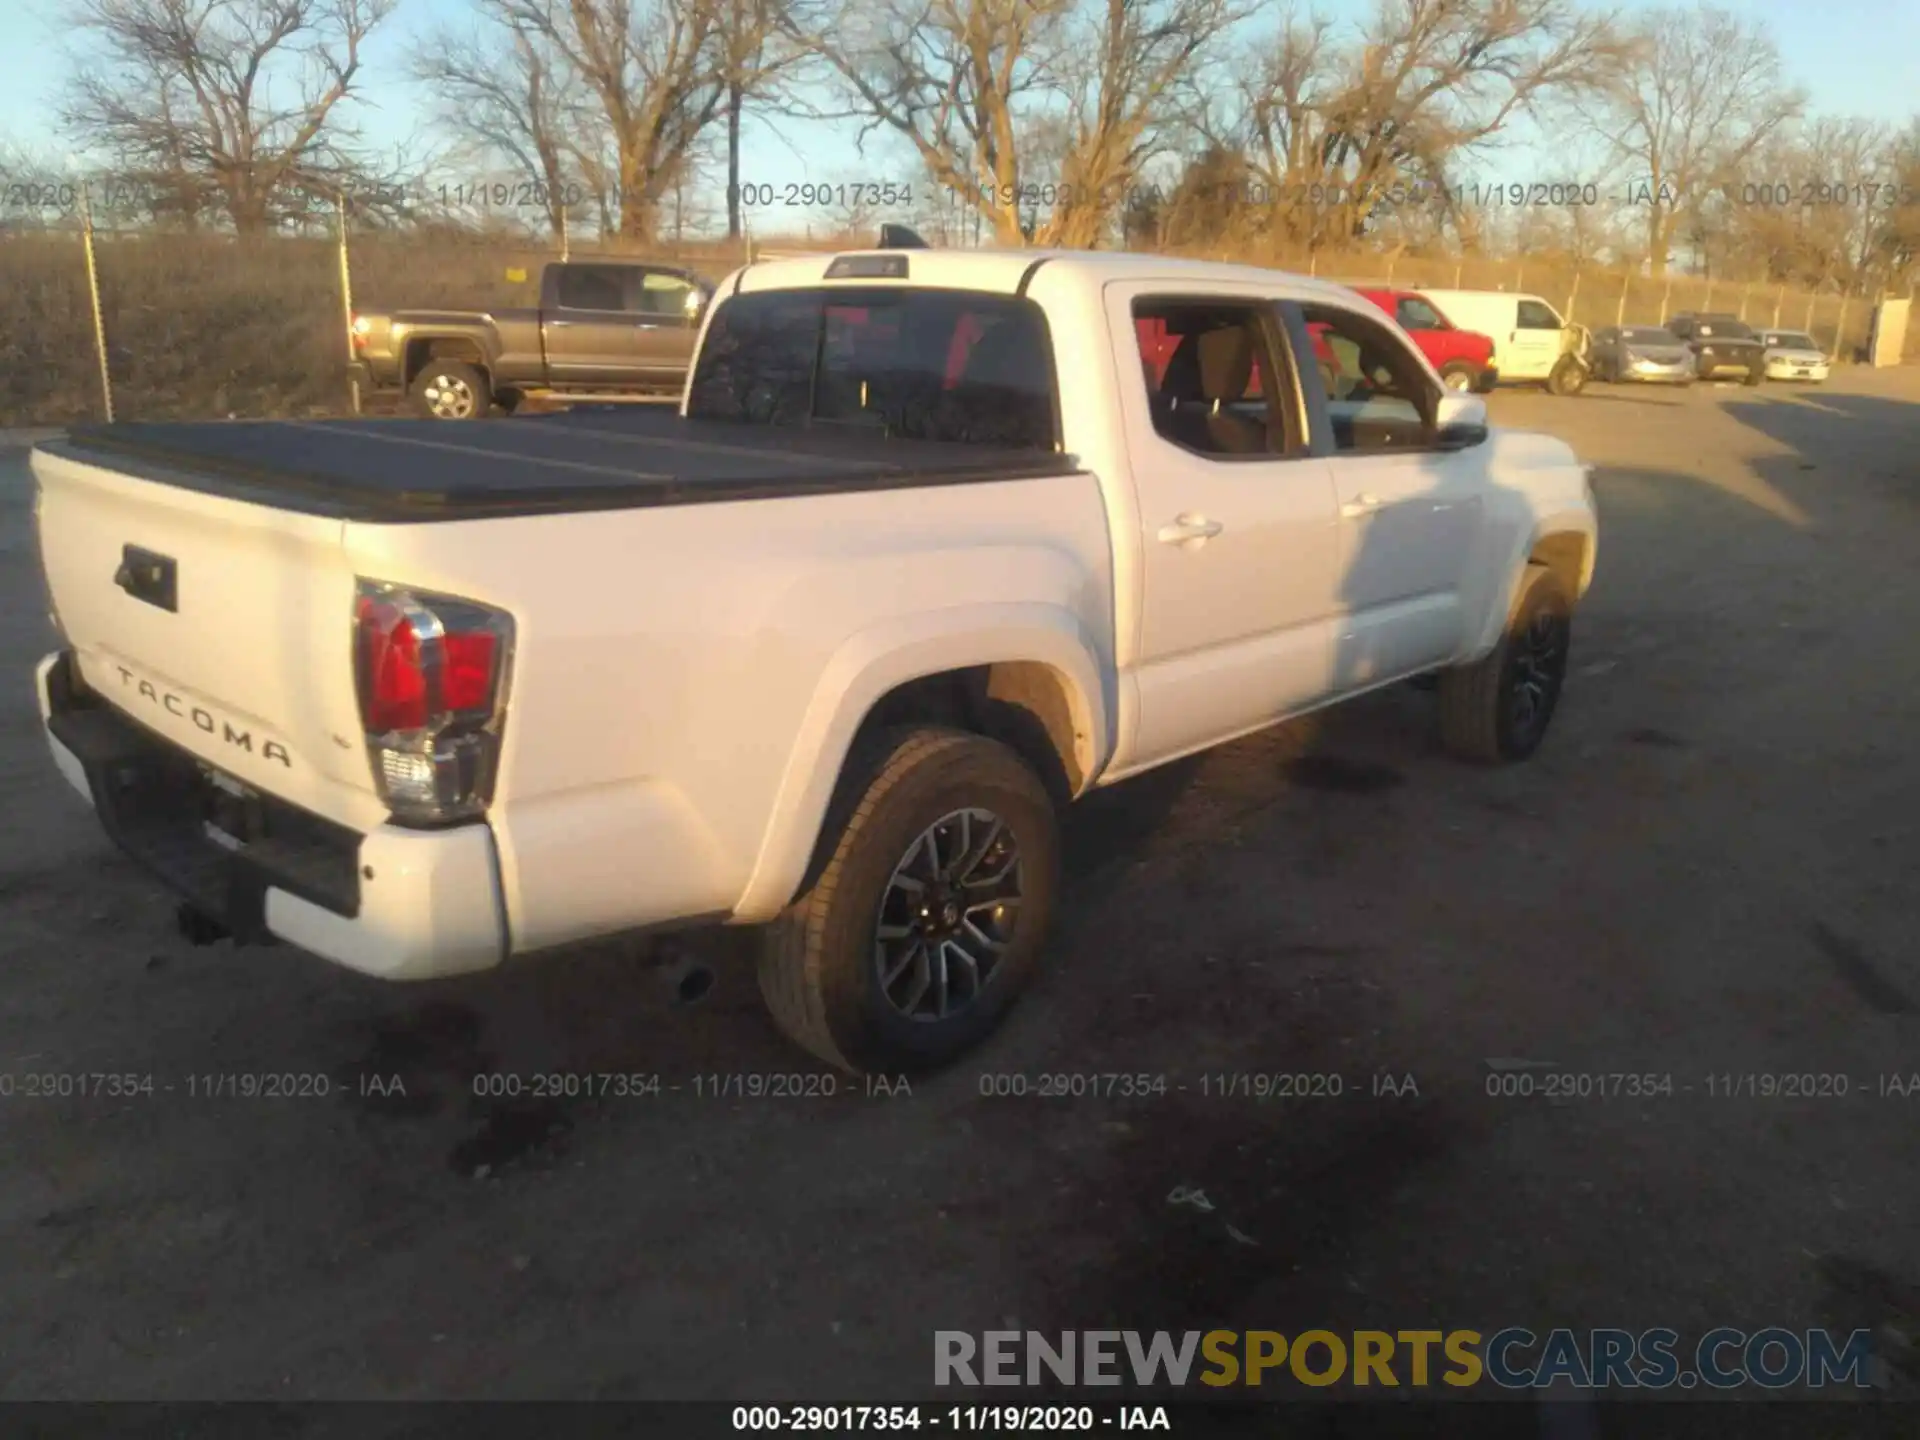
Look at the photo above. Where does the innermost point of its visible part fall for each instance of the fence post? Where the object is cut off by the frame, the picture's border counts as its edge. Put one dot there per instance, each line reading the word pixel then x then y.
pixel 1519 273
pixel 93 289
pixel 1709 301
pixel 1573 295
pixel 1840 327
pixel 1666 301
pixel 1313 262
pixel 1779 299
pixel 1620 310
pixel 346 298
pixel 1808 324
pixel 1457 265
pixel 1392 260
pixel 566 236
pixel 1742 311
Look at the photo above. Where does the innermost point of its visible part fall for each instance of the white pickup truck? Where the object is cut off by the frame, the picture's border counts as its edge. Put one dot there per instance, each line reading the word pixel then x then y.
pixel 936 542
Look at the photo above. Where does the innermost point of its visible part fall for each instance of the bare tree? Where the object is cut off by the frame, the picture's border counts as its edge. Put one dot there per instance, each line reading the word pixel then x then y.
pixel 657 72
pixel 956 79
pixel 233 101
pixel 505 96
pixel 1120 72
pixel 759 59
pixel 1704 95
pixel 1333 129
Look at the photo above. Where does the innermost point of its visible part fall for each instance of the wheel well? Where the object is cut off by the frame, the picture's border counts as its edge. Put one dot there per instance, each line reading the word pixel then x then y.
pixel 442 347
pixel 1564 554
pixel 1025 705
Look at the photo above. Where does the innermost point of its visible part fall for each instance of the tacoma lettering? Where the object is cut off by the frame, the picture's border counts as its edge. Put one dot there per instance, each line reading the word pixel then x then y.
pixel 203 719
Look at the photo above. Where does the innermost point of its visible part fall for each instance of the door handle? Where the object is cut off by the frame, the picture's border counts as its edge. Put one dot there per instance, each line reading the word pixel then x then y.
pixel 1358 506
pixel 1190 530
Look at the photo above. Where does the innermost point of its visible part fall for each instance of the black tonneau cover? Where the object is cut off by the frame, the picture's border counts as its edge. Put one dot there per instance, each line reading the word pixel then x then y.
pixel 422 470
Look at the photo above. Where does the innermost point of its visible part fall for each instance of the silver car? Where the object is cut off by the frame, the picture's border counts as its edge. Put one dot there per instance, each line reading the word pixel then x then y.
pixel 1794 355
pixel 1641 352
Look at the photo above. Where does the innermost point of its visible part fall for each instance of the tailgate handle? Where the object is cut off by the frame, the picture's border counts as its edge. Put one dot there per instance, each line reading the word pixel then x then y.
pixel 149 576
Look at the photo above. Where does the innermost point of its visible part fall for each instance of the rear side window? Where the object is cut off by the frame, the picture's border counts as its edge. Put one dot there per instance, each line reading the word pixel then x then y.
pixel 592 287
pixel 948 365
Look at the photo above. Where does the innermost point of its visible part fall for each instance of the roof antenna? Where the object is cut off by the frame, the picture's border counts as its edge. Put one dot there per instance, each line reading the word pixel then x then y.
pixel 900 237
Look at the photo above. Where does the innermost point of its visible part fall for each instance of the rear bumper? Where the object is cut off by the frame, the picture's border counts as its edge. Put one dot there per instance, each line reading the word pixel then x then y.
pixel 369 376
pixel 1707 366
pixel 396 903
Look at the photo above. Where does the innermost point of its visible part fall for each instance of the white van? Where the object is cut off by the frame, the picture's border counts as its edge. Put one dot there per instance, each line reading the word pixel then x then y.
pixel 1528 334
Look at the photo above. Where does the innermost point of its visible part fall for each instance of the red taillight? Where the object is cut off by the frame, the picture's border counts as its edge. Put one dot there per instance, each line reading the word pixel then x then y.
pixel 429 670
pixel 393 681
pixel 466 671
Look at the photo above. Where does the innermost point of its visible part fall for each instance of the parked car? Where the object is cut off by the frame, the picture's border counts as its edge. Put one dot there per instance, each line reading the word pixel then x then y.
pixel 1721 344
pixel 822 650
pixel 605 330
pixel 1794 355
pixel 1641 352
pixel 1463 358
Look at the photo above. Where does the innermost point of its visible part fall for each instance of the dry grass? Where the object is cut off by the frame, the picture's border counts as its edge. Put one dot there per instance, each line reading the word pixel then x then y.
pixel 212 326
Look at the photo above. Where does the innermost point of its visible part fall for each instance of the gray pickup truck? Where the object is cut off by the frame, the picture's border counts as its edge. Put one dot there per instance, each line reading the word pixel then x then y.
pixel 605 330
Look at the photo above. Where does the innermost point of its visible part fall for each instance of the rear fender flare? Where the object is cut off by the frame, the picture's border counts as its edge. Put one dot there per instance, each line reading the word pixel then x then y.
pixel 876 661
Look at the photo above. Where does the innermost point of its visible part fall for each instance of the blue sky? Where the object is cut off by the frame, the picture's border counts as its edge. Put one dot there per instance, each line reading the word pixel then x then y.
pixel 1855 57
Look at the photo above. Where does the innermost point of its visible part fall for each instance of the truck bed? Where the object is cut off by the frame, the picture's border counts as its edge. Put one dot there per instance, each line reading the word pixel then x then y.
pixel 409 471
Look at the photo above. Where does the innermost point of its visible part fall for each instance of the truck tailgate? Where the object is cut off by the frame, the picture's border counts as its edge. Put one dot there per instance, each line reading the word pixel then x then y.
pixel 223 626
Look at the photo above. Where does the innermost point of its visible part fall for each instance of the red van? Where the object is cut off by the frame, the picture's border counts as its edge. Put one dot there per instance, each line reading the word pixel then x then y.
pixel 1464 358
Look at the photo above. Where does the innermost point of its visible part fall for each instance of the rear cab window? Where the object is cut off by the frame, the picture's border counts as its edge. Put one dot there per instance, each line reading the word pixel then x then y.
pixel 917 364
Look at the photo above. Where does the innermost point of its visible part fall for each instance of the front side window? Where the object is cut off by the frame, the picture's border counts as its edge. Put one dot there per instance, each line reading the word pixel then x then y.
pixel 1379 396
pixel 665 294
pixel 1534 315
pixel 949 365
pixel 1414 313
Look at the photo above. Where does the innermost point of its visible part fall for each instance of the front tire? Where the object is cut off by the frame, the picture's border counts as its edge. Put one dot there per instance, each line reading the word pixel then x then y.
pixel 923 919
pixel 1498 709
pixel 452 390
pixel 1459 377
pixel 1569 377
pixel 1755 377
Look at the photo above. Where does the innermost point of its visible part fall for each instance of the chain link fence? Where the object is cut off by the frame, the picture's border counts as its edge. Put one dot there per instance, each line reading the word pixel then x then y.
pixel 198 325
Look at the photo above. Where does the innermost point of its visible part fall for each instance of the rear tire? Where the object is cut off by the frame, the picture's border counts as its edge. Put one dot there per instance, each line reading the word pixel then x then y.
pixel 1498 709
pixel 452 390
pixel 933 891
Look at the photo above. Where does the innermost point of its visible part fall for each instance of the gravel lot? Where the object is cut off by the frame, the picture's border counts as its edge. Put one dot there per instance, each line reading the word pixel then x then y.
pixel 1709 869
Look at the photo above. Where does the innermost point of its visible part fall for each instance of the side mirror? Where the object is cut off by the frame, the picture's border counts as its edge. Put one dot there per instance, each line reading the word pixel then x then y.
pixel 1460 420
